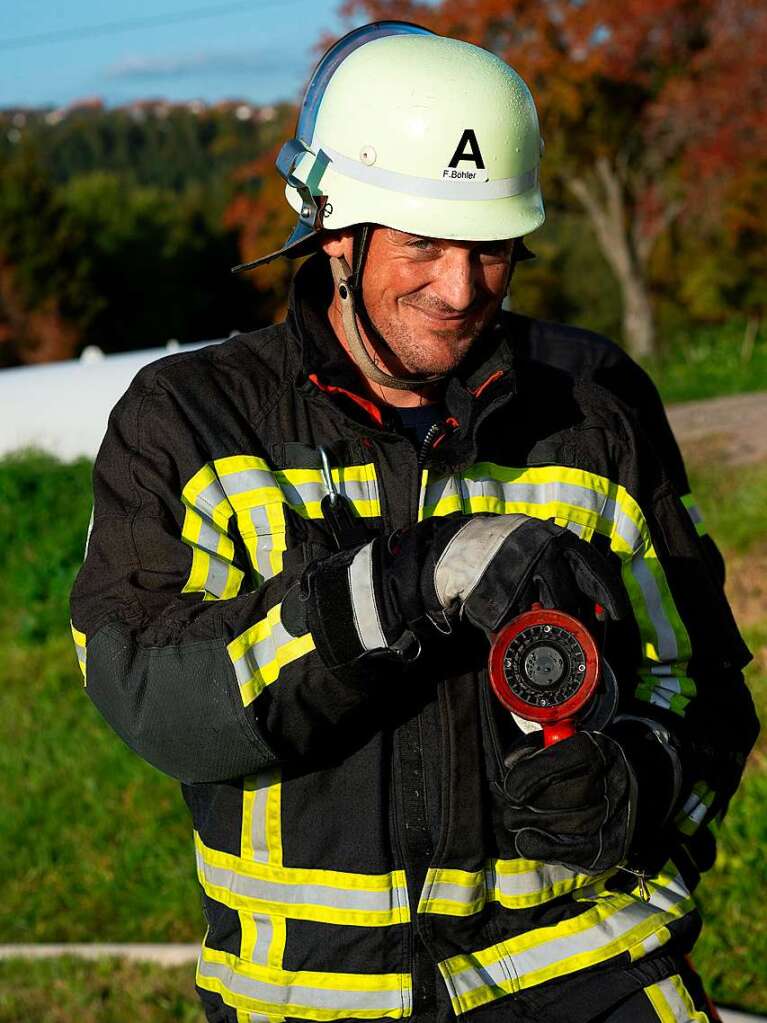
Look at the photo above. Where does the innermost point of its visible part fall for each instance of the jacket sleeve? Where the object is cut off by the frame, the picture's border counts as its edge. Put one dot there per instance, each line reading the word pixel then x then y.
pixel 624 378
pixel 690 681
pixel 177 627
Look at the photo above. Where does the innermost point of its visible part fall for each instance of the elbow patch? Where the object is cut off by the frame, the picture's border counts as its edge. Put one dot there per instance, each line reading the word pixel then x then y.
pixel 178 707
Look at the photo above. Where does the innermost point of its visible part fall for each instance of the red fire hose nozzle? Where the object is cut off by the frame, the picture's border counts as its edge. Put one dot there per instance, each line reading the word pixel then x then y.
pixel 544 667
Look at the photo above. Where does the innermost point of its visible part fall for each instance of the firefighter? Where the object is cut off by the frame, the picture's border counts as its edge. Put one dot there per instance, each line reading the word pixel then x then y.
pixel 305 539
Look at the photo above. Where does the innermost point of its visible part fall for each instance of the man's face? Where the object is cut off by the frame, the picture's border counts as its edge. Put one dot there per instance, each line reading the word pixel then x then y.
pixel 430 298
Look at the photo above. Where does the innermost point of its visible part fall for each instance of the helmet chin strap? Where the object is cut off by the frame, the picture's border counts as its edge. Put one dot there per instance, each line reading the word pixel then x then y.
pixel 345 282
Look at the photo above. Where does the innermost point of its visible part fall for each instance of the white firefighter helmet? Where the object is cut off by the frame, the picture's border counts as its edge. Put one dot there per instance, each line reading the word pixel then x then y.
pixel 415 131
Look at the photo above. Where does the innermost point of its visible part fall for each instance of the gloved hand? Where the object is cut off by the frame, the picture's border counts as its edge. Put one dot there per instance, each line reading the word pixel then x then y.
pixel 574 802
pixel 383 598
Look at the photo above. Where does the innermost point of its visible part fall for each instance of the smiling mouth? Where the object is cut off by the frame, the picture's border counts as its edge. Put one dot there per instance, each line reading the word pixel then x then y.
pixel 443 317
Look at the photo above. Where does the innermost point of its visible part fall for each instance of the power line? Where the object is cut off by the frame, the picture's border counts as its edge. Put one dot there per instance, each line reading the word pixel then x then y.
pixel 128 25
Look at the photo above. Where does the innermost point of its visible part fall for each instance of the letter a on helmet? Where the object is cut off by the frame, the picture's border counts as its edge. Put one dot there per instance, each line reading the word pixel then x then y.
pixel 411 130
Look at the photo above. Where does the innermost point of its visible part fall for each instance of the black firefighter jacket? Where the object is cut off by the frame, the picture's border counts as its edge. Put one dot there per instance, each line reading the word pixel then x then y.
pixel 348 842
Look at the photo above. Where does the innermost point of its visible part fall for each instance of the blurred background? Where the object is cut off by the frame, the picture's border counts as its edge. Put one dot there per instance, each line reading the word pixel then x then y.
pixel 136 167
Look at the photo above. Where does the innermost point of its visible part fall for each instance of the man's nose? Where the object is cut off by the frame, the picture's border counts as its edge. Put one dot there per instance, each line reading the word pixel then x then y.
pixel 456 281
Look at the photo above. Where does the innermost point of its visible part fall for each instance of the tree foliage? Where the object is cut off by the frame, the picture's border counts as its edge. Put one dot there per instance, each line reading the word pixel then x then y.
pixel 118 227
pixel 112 230
pixel 650 108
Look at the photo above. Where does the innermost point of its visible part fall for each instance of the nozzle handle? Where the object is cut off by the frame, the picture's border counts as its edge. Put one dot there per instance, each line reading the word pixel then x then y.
pixel 559 730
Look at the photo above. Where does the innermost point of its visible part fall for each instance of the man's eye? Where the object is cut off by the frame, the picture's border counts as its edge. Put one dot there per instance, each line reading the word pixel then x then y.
pixel 500 251
pixel 422 244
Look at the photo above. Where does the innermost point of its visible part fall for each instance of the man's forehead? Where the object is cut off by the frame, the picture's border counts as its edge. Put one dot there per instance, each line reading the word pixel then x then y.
pixel 403 237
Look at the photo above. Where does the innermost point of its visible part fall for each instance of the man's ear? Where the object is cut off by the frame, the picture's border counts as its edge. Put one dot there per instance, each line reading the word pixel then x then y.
pixel 339 243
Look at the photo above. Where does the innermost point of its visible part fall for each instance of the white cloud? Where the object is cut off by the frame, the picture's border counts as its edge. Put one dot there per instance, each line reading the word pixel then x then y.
pixel 191 65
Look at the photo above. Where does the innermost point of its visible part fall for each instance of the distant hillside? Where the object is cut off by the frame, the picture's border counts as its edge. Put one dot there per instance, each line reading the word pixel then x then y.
pixel 113 226
pixel 152 143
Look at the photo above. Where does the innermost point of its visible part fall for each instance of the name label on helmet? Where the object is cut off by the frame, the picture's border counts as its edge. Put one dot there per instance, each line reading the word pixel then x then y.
pixel 467 151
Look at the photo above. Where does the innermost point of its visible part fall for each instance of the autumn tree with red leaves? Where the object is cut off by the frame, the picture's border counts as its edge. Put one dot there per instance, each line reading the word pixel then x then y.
pixel 649 108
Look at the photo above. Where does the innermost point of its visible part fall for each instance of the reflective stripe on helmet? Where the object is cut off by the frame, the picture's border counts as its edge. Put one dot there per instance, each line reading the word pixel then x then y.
pixel 435 188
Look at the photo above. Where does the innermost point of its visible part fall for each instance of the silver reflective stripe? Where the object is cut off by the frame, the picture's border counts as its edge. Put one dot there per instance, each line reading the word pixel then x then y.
pixel 218 576
pixel 218 568
pixel 88 534
pixel 465 559
pixel 262 529
pixel 303 494
pixel 254 658
pixel 337 999
pixel 211 496
pixel 433 188
pixel 611 926
pixel 550 492
pixel 540 883
pixel 247 480
pixel 673 1002
pixel 299 894
pixel 264 935
pixel 668 649
pixel 259 846
pixel 366 618
pixel 558 948
pixel 694 811
pixel 694 514
pixel 80 651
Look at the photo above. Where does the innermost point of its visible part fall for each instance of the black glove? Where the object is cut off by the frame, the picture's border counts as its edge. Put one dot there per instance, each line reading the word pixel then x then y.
pixel 386 597
pixel 540 561
pixel 573 802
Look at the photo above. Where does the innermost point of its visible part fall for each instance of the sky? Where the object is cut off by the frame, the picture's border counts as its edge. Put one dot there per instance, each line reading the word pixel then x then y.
pixel 53 53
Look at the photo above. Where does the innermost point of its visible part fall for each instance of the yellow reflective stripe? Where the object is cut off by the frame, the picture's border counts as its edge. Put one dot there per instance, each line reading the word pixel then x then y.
pixel 273 823
pixel 284 485
pixel 256 493
pixel 270 672
pixel 240 463
pixel 262 651
pixel 422 494
pixel 616 924
pixel 514 884
pixel 190 533
pixel 304 994
pixel 238 647
pixel 327 896
pixel 695 808
pixel 277 944
pixel 671 691
pixel 694 512
pixel 591 503
pixel 261 831
pixel 576 496
pixel 205 531
pixel 278 539
pixel 673 1002
pixel 80 649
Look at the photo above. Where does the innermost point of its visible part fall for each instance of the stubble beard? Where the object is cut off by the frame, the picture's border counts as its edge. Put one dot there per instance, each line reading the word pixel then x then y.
pixel 440 351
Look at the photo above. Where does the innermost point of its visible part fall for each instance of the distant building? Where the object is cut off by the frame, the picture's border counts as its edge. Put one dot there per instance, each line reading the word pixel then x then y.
pixel 63 407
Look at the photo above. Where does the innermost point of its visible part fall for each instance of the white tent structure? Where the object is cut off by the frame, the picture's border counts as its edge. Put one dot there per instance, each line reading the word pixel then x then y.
pixel 63 407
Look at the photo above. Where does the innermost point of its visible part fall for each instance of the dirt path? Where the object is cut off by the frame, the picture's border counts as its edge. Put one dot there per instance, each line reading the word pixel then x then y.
pixel 733 429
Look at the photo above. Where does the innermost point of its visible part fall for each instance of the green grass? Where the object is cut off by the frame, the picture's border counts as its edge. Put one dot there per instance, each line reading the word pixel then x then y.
pixel 733 500
pixel 710 362
pixel 71 990
pixel 99 844
pixel 731 954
